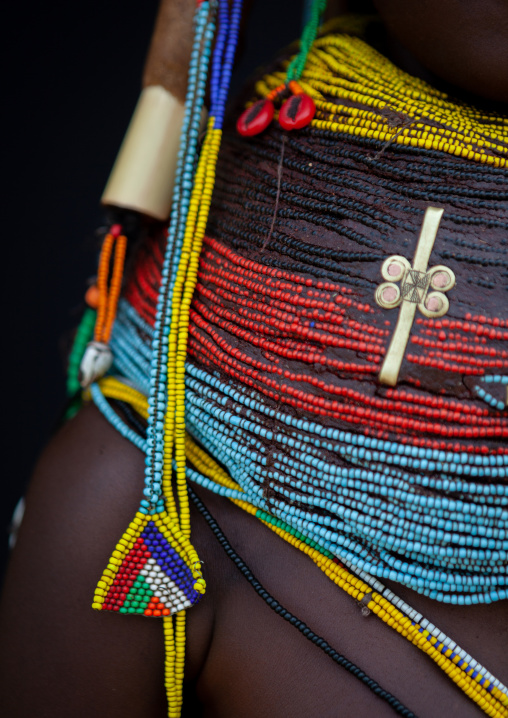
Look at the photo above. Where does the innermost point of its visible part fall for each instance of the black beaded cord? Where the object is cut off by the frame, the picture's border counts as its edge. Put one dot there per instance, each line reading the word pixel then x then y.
pixel 272 602
pixel 344 202
pixel 136 424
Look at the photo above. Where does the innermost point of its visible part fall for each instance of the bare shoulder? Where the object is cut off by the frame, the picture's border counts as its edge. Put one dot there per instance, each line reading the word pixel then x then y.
pixel 58 656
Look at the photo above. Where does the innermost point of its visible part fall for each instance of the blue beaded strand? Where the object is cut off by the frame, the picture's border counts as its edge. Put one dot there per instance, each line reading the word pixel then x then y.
pixel 366 494
pixel 102 404
pixel 157 396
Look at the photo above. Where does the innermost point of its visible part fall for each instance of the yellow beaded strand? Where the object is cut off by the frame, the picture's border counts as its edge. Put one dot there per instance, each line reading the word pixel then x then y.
pixel 172 418
pixel 493 704
pixel 390 615
pixel 179 664
pixel 204 198
pixel 169 668
pixel 174 429
pixel 358 91
pixel 114 389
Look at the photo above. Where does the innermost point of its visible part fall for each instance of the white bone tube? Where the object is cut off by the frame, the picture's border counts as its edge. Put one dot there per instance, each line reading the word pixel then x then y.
pixel 143 175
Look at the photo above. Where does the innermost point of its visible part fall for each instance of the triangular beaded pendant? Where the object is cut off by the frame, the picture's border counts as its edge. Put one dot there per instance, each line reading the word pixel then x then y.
pixel 146 573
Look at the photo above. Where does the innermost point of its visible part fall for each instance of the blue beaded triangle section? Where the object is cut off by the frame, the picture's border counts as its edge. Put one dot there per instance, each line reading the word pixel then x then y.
pixel 146 574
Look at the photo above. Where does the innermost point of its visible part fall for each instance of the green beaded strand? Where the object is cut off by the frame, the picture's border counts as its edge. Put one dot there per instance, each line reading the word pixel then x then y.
pixel 84 334
pixel 309 33
pixel 269 519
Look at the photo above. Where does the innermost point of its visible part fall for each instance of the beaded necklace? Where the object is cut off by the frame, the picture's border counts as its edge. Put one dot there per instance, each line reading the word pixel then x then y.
pixel 382 102
pixel 154 569
pixel 376 479
pixel 475 680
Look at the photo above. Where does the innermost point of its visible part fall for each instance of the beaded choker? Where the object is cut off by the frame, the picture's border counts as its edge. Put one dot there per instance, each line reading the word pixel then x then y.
pixel 287 334
pixel 405 483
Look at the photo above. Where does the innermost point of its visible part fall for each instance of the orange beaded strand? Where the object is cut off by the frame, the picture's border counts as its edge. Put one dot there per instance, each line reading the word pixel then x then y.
pixel 107 299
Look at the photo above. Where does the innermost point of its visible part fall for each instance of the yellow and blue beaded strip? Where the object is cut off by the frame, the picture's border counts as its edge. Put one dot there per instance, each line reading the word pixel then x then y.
pixel 476 681
pixel 155 570
pixel 157 525
pixel 360 92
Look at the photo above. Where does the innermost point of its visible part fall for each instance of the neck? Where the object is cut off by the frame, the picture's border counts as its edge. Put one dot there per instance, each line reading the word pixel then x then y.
pixel 390 46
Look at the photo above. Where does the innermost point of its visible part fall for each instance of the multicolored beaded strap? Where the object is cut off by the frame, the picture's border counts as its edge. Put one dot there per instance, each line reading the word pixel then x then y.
pixel 154 570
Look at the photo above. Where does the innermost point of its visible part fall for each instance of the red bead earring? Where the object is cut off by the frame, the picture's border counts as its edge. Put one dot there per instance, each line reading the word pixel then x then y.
pixel 296 112
pixel 255 118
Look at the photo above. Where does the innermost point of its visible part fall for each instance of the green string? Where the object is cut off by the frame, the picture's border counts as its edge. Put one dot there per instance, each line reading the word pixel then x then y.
pixel 309 33
pixel 83 335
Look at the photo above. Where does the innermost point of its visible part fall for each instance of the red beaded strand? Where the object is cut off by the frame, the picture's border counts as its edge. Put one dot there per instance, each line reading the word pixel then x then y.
pixel 298 319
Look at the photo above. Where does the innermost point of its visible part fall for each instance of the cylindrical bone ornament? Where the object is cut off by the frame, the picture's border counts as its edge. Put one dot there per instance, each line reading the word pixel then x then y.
pixel 144 172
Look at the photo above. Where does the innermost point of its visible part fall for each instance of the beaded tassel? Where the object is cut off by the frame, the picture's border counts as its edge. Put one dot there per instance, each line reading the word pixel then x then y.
pixel 299 109
pixel 98 358
pixel 152 506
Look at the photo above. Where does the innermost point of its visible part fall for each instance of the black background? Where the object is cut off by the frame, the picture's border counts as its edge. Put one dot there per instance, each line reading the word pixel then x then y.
pixel 71 80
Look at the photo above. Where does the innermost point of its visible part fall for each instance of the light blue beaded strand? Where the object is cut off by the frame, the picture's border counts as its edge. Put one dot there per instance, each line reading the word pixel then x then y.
pixel 103 405
pixel 157 395
pixel 481 393
pixel 369 495
pixel 366 500
pixel 229 20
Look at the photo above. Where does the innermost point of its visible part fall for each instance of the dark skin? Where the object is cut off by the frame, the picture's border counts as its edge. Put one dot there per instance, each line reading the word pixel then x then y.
pixel 60 658
pixel 463 44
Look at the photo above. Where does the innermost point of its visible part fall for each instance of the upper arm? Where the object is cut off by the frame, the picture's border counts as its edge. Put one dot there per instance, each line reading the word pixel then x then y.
pixel 58 656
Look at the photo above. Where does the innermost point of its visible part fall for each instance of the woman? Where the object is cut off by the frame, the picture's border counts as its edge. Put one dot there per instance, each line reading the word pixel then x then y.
pixel 294 198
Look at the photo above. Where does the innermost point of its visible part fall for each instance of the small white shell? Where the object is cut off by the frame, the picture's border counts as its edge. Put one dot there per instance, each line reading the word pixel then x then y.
pixel 97 359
